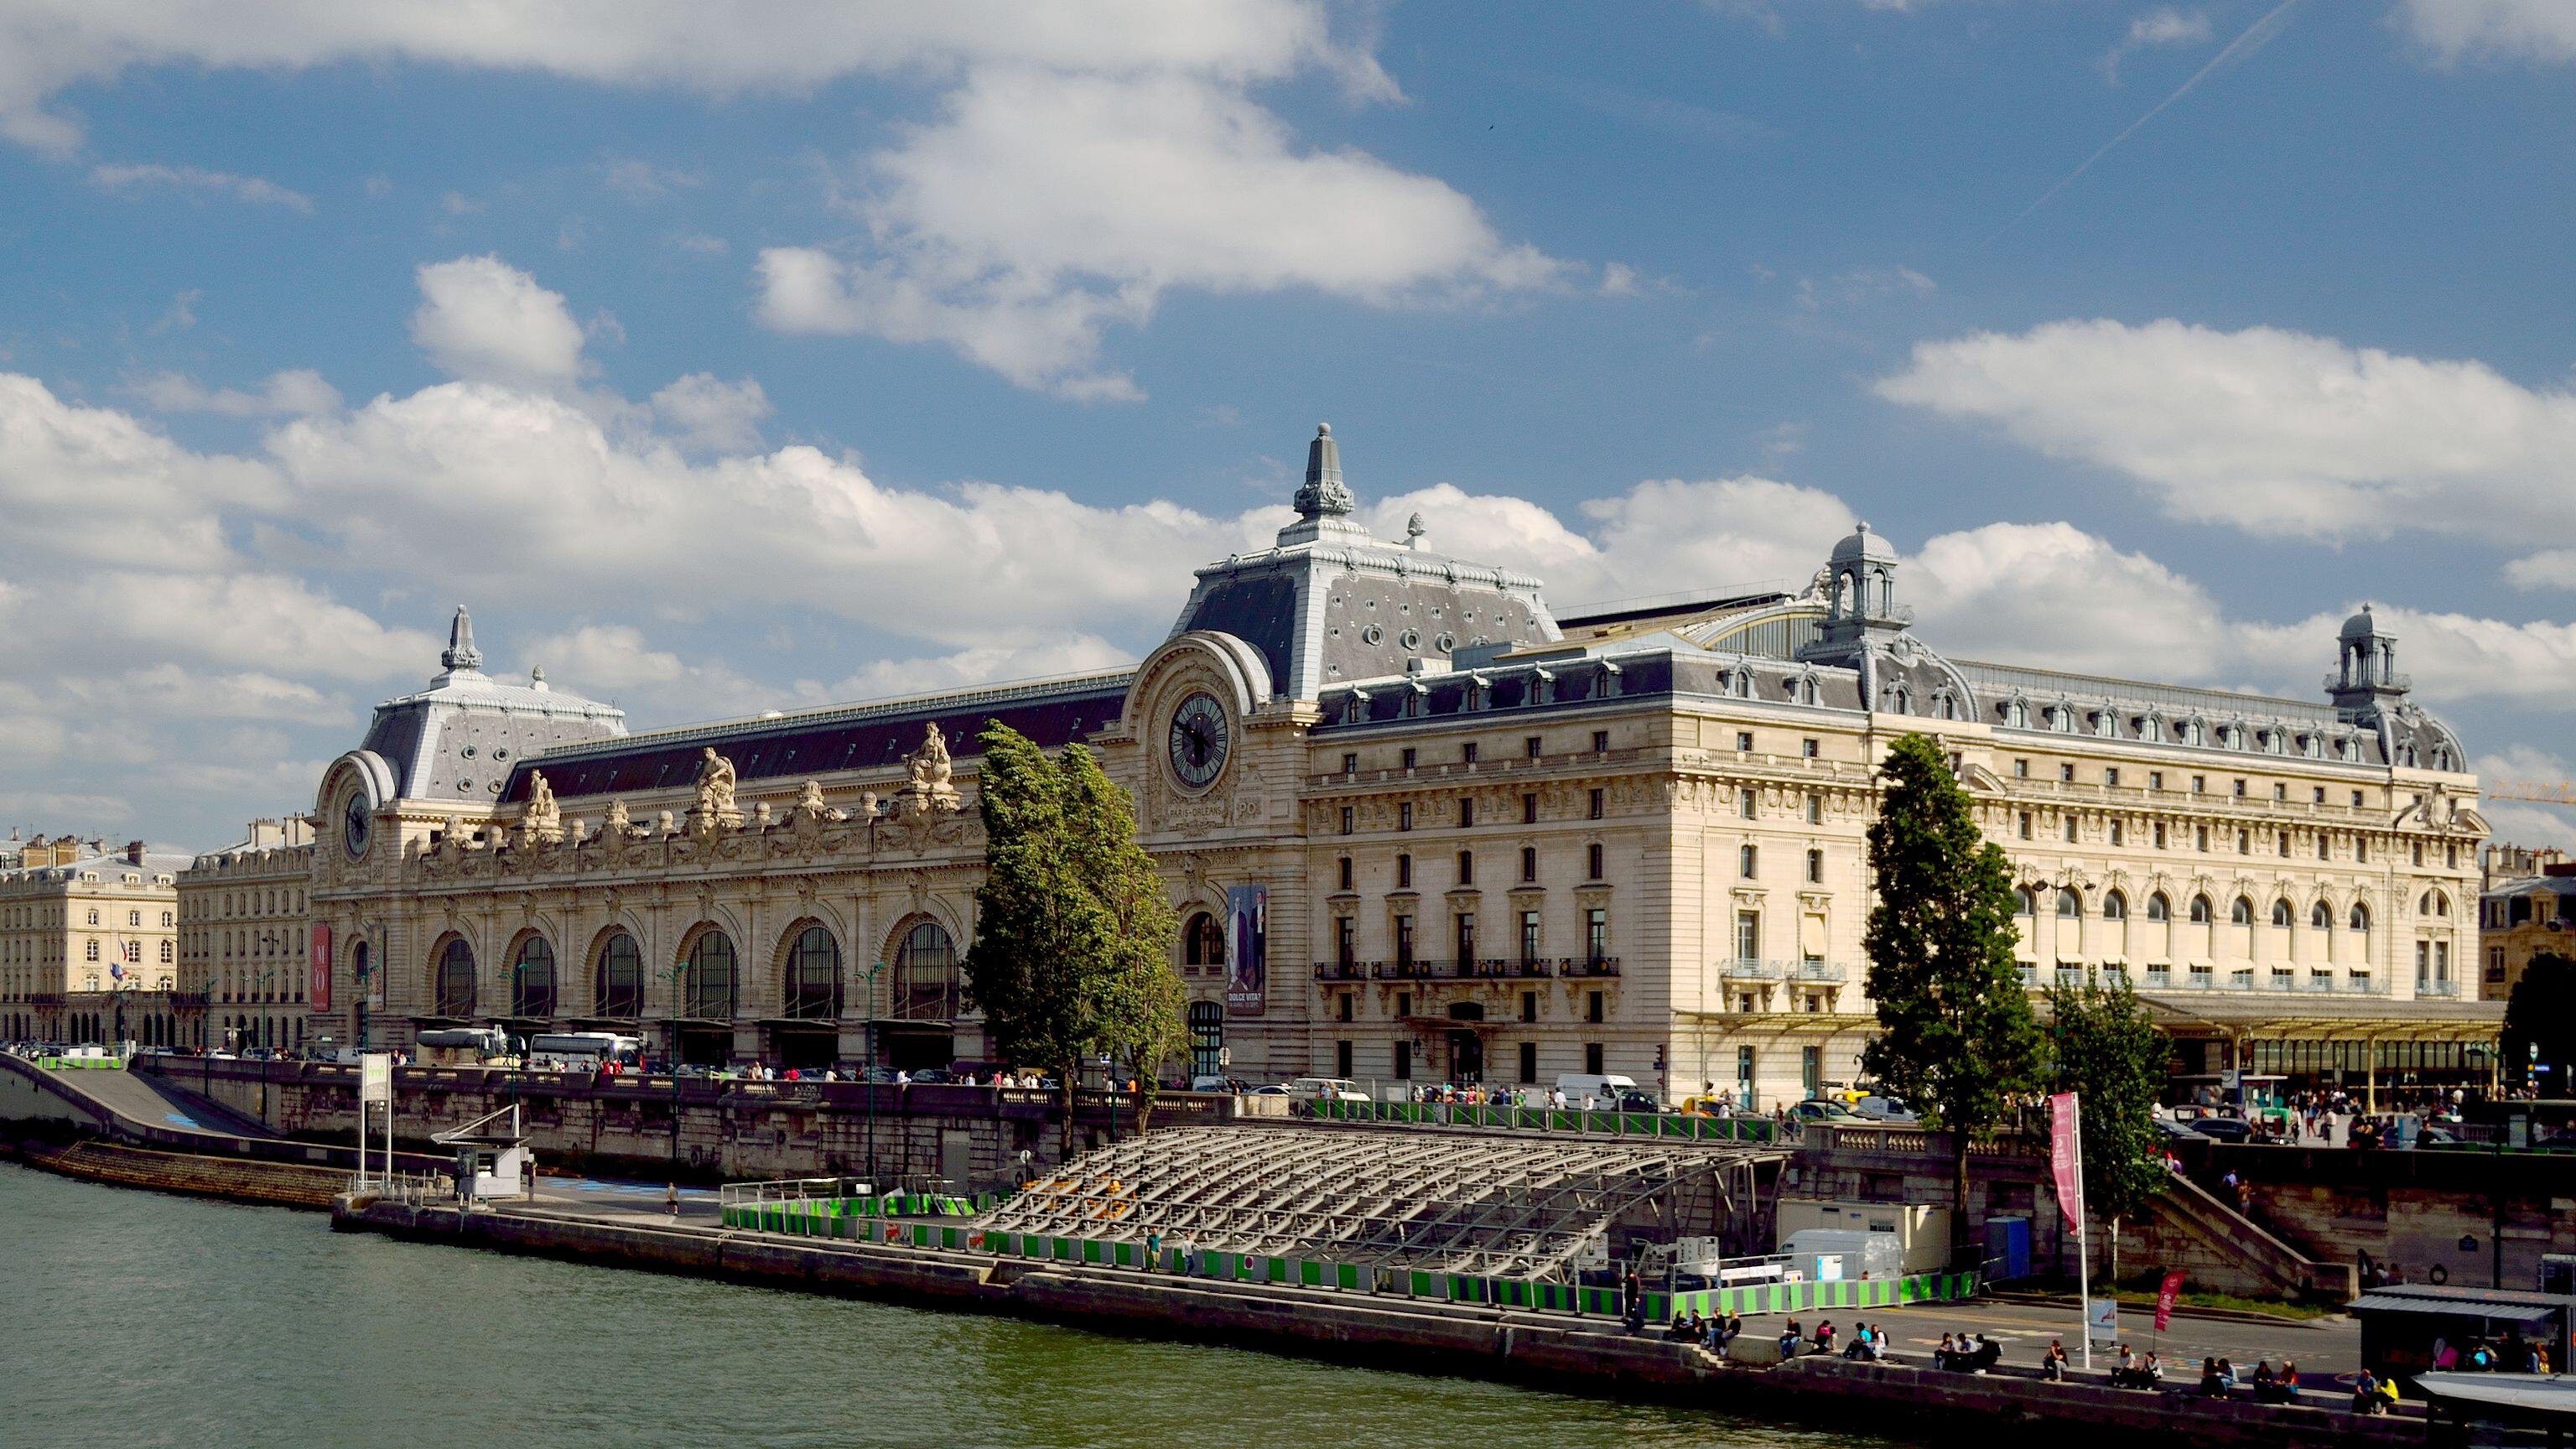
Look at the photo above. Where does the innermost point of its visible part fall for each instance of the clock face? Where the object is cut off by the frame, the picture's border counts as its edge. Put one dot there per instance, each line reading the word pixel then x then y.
pixel 357 822
pixel 1199 740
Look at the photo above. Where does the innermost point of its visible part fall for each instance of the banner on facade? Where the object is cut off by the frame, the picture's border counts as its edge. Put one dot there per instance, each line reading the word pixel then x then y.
pixel 2166 1293
pixel 363 964
pixel 317 989
pixel 2065 1159
pixel 1247 950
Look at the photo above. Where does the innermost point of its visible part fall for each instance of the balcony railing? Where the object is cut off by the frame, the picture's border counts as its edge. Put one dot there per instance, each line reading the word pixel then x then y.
pixel 2437 988
pixel 1745 968
pixel 1496 968
pixel 1818 971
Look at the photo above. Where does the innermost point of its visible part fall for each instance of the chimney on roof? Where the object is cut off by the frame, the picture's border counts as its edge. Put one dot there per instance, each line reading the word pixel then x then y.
pixel 134 852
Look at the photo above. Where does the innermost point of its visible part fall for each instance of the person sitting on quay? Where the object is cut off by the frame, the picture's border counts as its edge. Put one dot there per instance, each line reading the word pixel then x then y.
pixel 1683 1331
pixel 2052 1364
pixel 2211 1385
pixel 2365 1394
pixel 1824 1339
pixel 2227 1376
pixel 1789 1339
pixel 1944 1352
pixel 1722 1330
pixel 1988 1353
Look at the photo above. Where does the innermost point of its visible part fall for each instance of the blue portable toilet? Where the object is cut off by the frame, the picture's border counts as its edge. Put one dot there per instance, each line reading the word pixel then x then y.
pixel 2007 1249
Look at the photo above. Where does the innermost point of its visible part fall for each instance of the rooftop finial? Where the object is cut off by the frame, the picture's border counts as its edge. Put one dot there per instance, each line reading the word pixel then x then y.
pixel 461 653
pixel 1414 528
pixel 1324 491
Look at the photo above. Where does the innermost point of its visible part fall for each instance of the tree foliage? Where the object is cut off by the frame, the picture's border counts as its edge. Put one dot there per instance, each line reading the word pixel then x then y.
pixel 1139 1001
pixel 1956 1037
pixel 2540 1023
pixel 2103 1046
pixel 1073 930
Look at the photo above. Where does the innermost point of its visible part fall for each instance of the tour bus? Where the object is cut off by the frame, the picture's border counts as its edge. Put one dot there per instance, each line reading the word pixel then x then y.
pixel 462 1046
pixel 588 1050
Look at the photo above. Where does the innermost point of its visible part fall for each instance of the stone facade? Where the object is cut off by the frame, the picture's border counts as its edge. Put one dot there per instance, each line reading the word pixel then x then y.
pixel 88 942
pixel 2523 917
pixel 1465 837
pixel 244 978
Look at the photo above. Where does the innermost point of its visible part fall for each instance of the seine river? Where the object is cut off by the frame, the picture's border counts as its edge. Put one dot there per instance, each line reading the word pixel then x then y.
pixel 140 1319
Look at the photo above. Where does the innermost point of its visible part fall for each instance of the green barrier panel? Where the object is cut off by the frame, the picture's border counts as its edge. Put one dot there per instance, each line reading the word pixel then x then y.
pixel 1347 1276
pixel 1311 1275
pixel 1280 1270
pixel 1417 1283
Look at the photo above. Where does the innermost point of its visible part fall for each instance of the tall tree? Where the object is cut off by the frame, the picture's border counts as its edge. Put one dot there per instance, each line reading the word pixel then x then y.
pixel 2103 1046
pixel 1138 997
pixel 1037 930
pixel 2540 1025
pixel 1956 1037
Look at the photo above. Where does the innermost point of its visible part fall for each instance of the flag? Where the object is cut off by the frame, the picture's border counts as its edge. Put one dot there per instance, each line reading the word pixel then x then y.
pixel 2064 1162
pixel 2166 1293
pixel 116 973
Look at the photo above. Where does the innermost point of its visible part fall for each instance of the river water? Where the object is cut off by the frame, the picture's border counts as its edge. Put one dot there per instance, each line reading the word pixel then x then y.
pixel 134 1318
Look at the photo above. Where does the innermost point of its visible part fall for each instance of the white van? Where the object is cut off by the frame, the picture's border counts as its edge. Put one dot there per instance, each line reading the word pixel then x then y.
pixel 1602 1087
pixel 1326 1089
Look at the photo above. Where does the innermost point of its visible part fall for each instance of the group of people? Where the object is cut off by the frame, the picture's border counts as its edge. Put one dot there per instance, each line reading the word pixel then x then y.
pixel 2515 1355
pixel 2219 1380
pixel 1958 1353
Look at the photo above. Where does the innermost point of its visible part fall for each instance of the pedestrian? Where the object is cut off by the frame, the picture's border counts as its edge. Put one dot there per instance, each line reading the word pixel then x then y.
pixel 671 1200
pixel 2052 1364
pixel 1153 1251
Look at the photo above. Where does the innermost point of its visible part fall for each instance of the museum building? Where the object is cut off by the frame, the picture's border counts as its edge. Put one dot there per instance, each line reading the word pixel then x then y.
pixel 1421 828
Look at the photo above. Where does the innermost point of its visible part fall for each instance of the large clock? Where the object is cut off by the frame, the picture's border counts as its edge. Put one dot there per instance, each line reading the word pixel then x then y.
pixel 1199 741
pixel 357 822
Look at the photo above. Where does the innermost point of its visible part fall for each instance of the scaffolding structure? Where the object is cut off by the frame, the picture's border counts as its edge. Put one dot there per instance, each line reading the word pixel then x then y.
pixel 1532 1209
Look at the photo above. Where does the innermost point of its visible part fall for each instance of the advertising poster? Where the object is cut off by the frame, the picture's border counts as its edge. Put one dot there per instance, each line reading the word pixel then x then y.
pixel 1247 949
pixel 318 988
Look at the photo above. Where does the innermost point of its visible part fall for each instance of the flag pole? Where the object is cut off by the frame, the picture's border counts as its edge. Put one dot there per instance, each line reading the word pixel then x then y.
pixel 2083 1253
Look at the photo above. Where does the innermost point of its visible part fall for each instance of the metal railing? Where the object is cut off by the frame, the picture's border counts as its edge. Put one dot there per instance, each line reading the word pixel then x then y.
pixel 1490 968
pixel 1664 1125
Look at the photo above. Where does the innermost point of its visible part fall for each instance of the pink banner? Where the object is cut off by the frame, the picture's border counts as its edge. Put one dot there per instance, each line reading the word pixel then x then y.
pixel 2166 1293
pixel 318 990
pixel 2064 1162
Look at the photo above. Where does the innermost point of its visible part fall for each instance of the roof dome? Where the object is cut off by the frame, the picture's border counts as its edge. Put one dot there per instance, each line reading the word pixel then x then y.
pixel 2361 625
pixel 1865 546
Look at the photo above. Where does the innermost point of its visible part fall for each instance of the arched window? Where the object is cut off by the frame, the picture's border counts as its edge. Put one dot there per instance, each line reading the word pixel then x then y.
pixel 2069 905
pixel 455 986
pixel 814 976
pixel 2281 913
pixel 1203 942
pixel 2361 918
pixel 2115 906
pixel 2158 908
pixel 532 979
pixel 713 977
pixel 2200 910
pixel 2025 903
pixel 620 974
pixel 2241 913
pixel 925 975
pixel 2433 904
pixel 2321 916
pixel 1207 1036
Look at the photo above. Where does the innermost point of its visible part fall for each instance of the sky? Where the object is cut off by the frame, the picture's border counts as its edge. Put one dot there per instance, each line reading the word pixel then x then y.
pixel 727 357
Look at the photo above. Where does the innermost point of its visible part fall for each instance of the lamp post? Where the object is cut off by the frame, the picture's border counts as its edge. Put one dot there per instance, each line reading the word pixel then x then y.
pixel 867 1072
pixel 671 978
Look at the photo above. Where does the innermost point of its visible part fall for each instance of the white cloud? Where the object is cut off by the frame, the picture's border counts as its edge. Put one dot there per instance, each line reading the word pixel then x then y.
pixel 295 392
pixel 2276 432
pixel 2533 30
pixel 457 203
pixel 639 180
pixel 197 178
pixel 717 47
pixel 1862 284
pixel 2161 26
pixel 2051 592
pixel 721 417
pixel 986 664
pixel 1042 208
pixel 87 486
pixel 2553 568
pixel 484 320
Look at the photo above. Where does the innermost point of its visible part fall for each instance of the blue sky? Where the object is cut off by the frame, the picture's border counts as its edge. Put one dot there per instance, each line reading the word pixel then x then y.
pixel 729 357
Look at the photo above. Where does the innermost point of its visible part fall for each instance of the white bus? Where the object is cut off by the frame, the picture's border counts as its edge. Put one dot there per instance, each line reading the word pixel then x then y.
pixel 586 1049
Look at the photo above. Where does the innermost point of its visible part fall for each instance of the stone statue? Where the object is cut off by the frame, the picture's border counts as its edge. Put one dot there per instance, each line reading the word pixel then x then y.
pixel 928 787
pixel 715 793
pixel 618 825
pixel 542 822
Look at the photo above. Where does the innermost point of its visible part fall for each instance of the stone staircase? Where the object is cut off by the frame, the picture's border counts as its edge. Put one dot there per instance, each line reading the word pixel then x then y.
pixel 2220 1250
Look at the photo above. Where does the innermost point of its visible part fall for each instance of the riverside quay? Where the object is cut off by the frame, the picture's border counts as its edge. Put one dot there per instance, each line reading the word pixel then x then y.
pixel 1420 829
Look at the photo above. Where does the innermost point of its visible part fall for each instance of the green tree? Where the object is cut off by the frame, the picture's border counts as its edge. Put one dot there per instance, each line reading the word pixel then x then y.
pixel 2540 1023
pixel 1038 932
pixel 2103 1046
pixel 1138 998
pixel 1956 1038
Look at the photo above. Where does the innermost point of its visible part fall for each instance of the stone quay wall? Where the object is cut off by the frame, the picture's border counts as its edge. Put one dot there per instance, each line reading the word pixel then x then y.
pixel 1577 1354
pixel 2414 1208
pixel 697 1129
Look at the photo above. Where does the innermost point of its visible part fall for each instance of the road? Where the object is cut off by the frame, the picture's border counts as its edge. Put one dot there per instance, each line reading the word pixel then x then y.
pixel 2324 1348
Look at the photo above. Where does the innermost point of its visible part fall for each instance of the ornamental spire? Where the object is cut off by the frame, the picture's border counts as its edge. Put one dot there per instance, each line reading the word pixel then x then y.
pixel 1324 493
pixel 460 652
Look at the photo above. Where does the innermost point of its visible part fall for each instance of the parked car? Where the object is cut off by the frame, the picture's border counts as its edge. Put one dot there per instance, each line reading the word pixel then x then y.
pixel 1817 1109
pixel 2224 1129
pixel 1889 1110
pixel 1326 1089
pixel 1632 1100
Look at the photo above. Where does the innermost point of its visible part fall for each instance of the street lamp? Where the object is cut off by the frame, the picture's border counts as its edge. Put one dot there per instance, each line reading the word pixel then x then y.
pixel 867 1071
pixel 671 978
